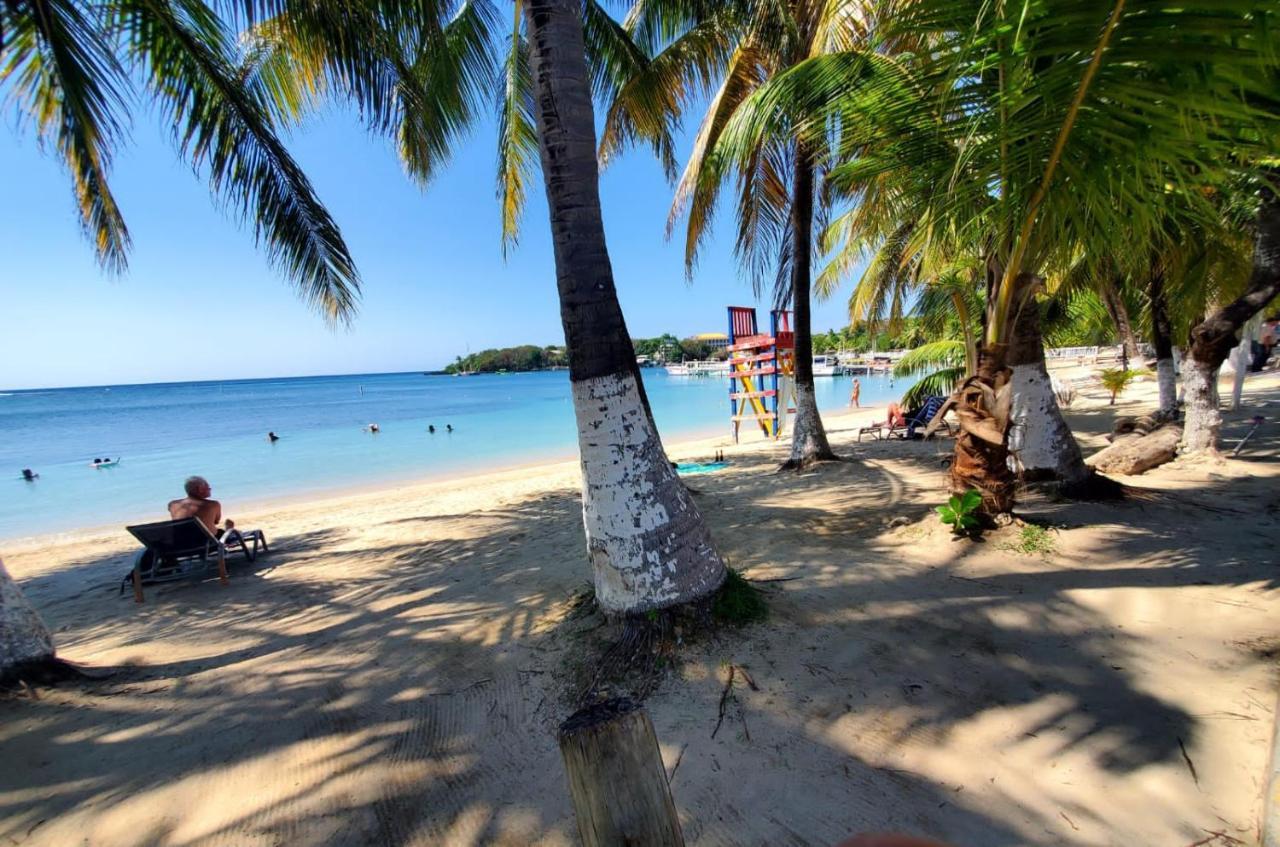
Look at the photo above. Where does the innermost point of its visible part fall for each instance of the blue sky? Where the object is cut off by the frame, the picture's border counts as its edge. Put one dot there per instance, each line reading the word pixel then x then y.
pixel 200 302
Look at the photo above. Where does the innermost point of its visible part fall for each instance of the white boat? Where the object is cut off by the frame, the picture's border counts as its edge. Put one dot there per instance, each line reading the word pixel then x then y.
pixel 825 365
pixel 708 367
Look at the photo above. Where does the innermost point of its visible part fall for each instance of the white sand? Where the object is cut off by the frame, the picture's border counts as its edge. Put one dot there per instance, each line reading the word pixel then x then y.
pixel 394 672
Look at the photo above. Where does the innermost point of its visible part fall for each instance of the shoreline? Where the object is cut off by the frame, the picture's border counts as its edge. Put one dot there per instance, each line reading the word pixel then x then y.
pixel 415 486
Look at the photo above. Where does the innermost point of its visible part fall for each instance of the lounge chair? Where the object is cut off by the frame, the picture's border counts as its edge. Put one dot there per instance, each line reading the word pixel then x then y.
pixel 174 550
pixel 924 415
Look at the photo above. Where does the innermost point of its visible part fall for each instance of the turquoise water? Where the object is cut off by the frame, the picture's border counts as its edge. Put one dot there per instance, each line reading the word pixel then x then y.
pixel 164 433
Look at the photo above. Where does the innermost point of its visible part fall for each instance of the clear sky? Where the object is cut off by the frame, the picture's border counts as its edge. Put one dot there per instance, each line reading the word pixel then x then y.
pixel 200 302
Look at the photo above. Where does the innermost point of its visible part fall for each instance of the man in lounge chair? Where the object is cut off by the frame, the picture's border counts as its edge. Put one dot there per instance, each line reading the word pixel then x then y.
pixel 197 504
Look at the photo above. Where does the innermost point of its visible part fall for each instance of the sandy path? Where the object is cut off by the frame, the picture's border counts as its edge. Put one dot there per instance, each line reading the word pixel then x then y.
pixel 395 676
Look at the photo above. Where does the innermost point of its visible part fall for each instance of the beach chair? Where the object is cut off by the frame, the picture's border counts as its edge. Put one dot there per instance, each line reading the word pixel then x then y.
pixel 173 550
pixel 925 415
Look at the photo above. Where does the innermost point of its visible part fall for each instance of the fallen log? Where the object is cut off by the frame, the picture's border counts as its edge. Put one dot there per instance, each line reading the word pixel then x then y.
pixel 1134 453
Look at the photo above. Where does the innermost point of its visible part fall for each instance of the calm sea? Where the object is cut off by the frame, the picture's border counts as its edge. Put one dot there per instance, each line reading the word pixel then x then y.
pixel 164 433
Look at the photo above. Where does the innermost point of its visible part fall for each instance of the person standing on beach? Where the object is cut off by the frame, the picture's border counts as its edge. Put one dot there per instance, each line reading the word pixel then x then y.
pixel 197 504
pixel 857 392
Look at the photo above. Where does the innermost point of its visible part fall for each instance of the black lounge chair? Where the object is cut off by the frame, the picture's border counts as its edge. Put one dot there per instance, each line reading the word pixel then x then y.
pixel 174 550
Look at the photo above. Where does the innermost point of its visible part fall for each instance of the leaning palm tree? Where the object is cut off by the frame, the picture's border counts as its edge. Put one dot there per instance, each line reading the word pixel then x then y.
pixel 1014 133
pixel 71 70
pixel 725 52
pixel 424 78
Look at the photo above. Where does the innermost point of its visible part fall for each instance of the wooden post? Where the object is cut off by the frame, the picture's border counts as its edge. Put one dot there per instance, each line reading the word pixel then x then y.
pixel 616 777
pixel 137 585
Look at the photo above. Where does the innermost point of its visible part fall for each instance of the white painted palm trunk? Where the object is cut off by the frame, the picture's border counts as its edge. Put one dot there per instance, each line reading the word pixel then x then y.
pixel 1203 419
pixel 23 636
pixel 648 544
pixel 1167 383
pixel 1041 445
pixel 808 437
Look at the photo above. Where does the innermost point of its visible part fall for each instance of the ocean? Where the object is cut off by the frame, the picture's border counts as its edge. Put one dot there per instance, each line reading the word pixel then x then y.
pixel 163 433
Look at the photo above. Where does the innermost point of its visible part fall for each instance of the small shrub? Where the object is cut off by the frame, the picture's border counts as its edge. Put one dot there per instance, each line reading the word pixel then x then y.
pixel 961 511
pixel 1116 380
pixel 738 602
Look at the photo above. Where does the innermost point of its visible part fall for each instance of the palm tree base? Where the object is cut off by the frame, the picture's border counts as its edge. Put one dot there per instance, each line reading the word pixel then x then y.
pixel 46 672
pixel 644 646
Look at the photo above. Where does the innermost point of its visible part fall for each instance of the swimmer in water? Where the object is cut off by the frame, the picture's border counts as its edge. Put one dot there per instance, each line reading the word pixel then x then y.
pixel 272 437
pixel 448 427
pixel 373 428
pixel 431 428
pixel 30 475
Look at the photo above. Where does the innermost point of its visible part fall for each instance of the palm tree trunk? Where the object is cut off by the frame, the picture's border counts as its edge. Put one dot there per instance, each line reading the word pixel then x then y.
pixel 981 458
pixel 808 437
pixel 25 642
pixel 1120 317
pixel 1214 337
pixel 1039 439
pixel 648 544
pixel 1162 340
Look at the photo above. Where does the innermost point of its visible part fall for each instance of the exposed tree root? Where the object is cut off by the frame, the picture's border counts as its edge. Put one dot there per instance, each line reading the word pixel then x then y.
pixel 645 646
pixel 45 672
pixel 809 461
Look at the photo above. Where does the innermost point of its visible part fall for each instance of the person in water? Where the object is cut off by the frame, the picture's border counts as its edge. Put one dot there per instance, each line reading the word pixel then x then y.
pixel 448 427
pixel 29 475
pixel 431 428
pixel 272 437
pixel 373 427
pixel 197 504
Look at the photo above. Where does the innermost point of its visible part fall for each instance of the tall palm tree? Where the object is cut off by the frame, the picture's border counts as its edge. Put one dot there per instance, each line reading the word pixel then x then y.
pixel 724 52
pixel 71 69
pixel 428 76
pixel 1021 130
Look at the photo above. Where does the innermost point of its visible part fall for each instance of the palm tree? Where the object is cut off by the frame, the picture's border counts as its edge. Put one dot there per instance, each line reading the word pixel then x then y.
pixel 71 69
pixel 726 51
pixel 1013 135
pixel 424 79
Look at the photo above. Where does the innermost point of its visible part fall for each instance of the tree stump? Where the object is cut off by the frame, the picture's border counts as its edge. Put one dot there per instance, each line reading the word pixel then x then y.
pixel 616 777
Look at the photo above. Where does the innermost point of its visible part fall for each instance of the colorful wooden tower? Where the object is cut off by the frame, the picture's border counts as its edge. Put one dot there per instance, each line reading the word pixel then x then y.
pixel 761 370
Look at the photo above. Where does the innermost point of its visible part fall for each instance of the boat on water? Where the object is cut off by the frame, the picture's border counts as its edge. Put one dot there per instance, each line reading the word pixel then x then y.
pixel 708 367
pixel 825 366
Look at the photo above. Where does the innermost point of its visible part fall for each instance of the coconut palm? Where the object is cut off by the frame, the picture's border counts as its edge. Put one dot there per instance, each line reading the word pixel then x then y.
pixel 1024 131
pixel 424 78
pixel 71 70
pixel 724 52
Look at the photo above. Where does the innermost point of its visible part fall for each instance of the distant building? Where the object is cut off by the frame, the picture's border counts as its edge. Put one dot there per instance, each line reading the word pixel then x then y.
pixel 714 340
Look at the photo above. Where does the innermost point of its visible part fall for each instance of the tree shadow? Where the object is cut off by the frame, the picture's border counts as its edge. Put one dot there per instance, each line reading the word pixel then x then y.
pixel 364 689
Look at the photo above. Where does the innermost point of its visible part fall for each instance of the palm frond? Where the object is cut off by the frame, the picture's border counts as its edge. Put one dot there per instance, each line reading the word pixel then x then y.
pixel 517 133
pixel 63 77
pixel 221 126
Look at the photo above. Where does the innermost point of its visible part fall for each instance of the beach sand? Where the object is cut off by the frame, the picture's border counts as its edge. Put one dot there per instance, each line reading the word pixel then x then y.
pixel 393 673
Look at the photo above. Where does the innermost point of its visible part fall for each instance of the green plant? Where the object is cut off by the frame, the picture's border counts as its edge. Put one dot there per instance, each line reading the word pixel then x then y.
pixel 961 511
pixel 1032 541
pixel 1116 380
pixel 738 602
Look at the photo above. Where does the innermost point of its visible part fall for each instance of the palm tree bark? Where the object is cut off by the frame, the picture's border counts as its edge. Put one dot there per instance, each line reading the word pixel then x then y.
pixel 25 643
pixel 1214 337
pixel 809 437
pixel 1162 340
pixel 1120 317
pixel 981 459
pixel 648 544
pixel 1040 441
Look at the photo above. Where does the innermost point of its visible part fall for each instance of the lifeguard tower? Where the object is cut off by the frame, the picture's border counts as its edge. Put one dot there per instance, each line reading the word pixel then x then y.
pixel 761 371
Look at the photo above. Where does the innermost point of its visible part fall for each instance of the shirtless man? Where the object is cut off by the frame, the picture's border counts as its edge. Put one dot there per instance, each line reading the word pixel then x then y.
pixel 197 504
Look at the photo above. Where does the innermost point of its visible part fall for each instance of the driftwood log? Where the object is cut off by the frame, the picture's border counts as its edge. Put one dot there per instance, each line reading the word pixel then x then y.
pixel 1134 453
pixel 616 777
